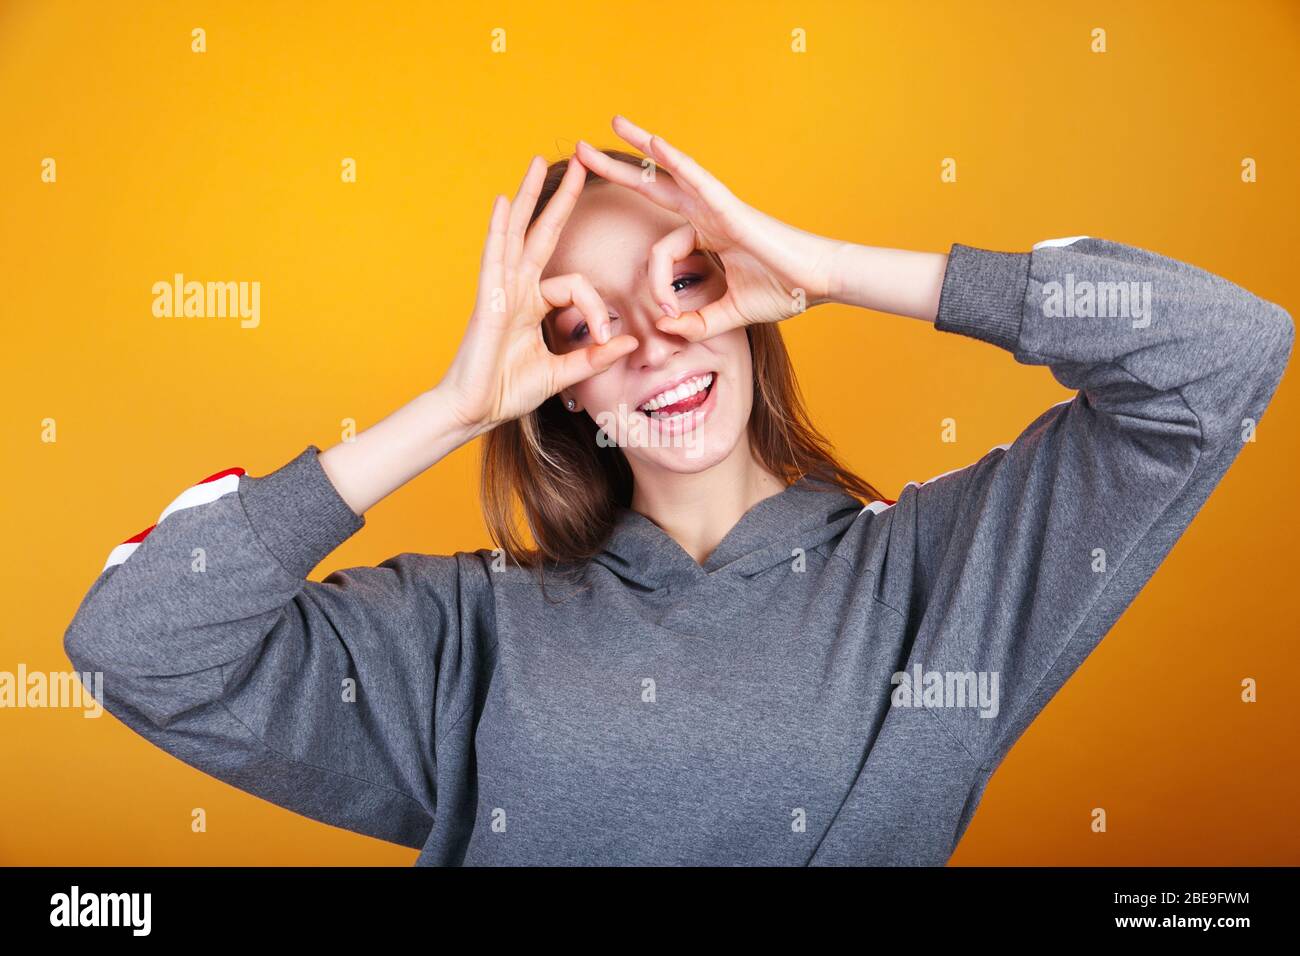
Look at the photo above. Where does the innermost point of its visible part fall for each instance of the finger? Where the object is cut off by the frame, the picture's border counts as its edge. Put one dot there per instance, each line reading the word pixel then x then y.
pixel 521 211
pixel 631 133
pixel 492 266
pixel 703 323
pixel 689 325
pixel 661 191
pixel 541 239
pixel 573 367
pixel 692 176
pixel 664 255
pixel 575 289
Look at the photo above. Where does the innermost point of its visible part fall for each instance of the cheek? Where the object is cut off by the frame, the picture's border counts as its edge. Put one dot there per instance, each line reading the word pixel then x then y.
pixel 732 355
pixel 599 393
pixel 736 355
pixel 741 399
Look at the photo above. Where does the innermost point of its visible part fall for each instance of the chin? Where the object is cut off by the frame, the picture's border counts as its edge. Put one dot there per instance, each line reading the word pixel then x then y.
pixel 687 460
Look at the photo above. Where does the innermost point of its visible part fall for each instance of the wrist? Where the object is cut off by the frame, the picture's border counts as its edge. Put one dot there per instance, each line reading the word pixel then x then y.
pixel 447 421
pixel 834 284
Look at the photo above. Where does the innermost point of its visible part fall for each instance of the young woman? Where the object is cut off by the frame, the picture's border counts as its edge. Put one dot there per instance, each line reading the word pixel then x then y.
pixel 721 647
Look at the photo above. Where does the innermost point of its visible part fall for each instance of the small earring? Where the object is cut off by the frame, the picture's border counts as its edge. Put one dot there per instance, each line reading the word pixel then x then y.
pixel 570 404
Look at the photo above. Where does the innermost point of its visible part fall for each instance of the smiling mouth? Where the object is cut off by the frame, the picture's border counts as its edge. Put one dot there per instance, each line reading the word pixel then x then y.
pixel 686 397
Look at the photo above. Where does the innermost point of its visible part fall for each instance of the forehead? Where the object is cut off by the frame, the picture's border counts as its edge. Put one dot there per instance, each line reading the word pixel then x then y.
pixel 609 234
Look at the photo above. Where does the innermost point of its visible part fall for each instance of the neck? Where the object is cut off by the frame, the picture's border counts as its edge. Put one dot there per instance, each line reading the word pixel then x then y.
pixel 698 510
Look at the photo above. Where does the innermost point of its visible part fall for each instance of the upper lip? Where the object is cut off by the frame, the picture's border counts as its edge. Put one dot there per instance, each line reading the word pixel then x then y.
pixel 673 383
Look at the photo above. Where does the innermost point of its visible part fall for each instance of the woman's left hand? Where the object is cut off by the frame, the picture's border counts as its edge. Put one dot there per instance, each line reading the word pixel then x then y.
pixel 773 270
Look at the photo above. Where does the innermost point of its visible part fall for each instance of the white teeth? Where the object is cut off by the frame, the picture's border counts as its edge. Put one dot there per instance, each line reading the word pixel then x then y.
pixel 673 395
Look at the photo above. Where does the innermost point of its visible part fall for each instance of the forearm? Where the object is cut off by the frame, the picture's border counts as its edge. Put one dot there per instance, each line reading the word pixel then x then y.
pixel 897 281
pixel 391 452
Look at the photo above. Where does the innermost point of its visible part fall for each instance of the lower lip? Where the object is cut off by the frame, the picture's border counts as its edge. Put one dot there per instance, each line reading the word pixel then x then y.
pixel 688 420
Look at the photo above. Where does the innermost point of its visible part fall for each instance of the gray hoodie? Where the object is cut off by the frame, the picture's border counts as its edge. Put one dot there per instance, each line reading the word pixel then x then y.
pixel 834 685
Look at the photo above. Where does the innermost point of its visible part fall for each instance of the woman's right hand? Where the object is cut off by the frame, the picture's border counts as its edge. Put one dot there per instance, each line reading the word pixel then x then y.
pixel 503 369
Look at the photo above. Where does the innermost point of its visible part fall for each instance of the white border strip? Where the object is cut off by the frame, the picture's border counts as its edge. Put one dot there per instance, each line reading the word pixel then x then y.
pixel 203 493
pixel 1051 243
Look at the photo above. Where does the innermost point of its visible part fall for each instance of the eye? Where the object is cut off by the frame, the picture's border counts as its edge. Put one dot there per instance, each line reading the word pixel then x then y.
pixel 580 331
pixel 690 280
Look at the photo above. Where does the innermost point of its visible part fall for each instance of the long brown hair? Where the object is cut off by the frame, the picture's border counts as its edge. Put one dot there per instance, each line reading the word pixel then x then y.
pixel 570 487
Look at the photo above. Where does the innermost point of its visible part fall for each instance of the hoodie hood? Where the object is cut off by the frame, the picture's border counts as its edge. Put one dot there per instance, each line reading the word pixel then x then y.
pixel 804 515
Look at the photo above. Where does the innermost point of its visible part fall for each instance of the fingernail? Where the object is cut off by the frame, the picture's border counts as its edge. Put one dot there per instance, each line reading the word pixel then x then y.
pixel 670 310
pixel 602 335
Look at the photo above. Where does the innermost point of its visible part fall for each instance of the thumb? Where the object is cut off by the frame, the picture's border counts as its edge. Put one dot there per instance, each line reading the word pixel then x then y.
pixel 703 323
pixel 581 364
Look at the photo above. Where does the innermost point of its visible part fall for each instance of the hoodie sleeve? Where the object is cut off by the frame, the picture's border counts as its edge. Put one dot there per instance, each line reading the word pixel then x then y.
pixel 326 698
pixel 1017 565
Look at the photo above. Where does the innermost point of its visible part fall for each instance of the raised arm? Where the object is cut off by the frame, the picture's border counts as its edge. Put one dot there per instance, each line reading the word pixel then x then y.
pixel 1019 564
pixel 320 697
pixel 329 698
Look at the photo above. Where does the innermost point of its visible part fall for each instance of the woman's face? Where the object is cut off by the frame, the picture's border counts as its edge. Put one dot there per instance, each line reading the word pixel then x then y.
pixel 670 403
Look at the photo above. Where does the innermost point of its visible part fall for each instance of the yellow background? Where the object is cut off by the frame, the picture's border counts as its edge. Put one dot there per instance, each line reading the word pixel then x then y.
pixel 226 166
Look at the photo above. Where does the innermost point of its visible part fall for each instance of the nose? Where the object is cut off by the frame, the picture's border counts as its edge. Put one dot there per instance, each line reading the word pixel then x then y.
pixel 655 347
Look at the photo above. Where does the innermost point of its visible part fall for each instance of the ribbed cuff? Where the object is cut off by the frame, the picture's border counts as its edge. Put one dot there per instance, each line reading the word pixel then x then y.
pixel 983 295
pixel 298 513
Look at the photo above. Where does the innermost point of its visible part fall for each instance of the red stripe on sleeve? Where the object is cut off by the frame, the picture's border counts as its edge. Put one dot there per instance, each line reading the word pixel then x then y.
pixel 142 535
pixel 222 474
pixel 136 538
